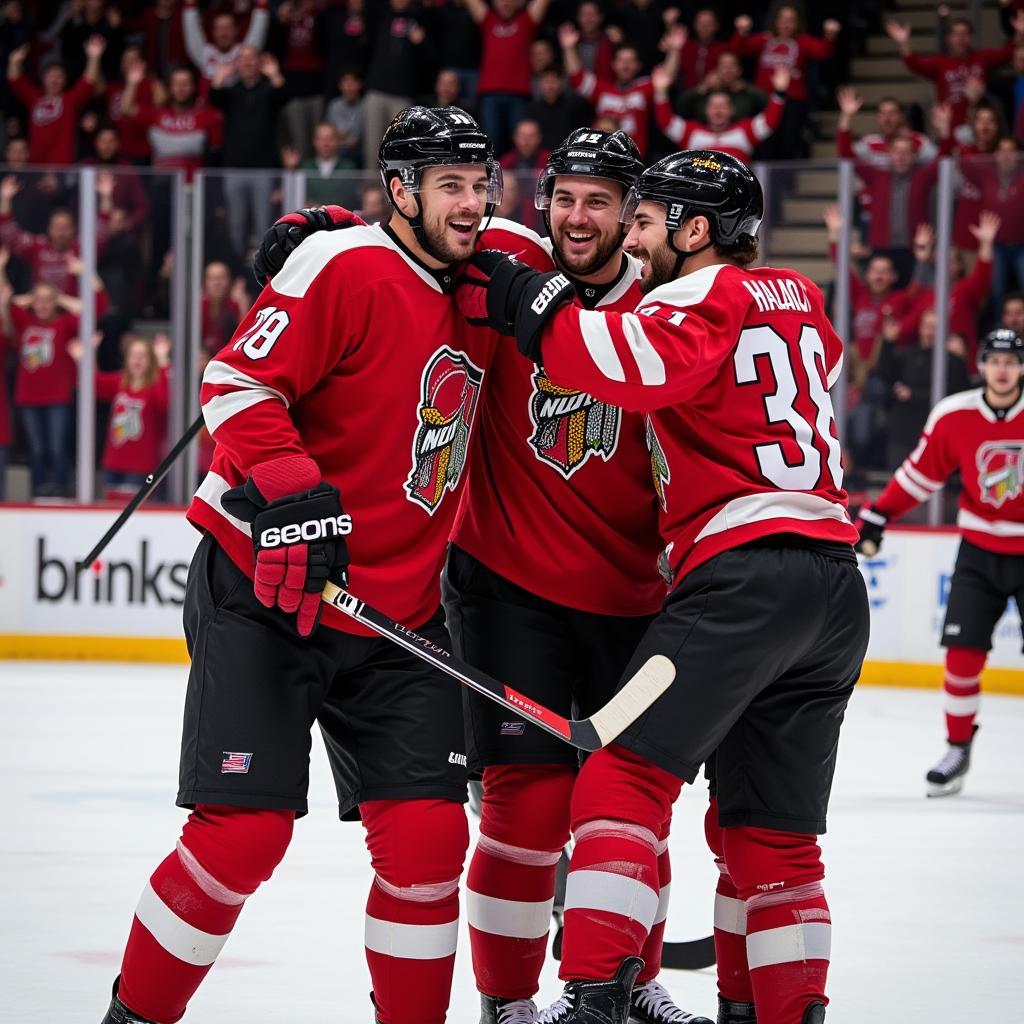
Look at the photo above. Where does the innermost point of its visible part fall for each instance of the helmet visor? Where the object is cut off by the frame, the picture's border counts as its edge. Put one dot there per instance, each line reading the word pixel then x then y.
pixel 412 178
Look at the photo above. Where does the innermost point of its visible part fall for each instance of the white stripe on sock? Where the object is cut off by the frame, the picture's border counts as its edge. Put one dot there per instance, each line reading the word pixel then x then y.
pixel 178 937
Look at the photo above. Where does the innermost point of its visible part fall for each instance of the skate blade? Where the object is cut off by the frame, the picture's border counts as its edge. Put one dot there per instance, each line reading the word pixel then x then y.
pixel 950 788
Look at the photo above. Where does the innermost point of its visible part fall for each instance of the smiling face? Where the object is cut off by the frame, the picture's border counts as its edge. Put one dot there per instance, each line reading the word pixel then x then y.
pixel 584 218
pixel 452 202
pixel 719 111
pixel 138 359
pixel 880 275
pixel 625 65
pixel 890 118
pixel 61 230
pixel 648 241
pixel 44 301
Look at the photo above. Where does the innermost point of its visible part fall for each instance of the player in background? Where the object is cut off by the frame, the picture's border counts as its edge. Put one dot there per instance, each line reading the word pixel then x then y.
pixel 552 577
pixel 767 622
pixel 354 378
pixel 981 433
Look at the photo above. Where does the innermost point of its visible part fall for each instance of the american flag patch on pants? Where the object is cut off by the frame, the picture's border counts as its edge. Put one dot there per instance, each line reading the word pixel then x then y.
pixel 235 762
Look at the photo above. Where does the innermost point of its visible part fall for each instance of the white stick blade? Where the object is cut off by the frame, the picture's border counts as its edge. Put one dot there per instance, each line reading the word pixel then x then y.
pixel 650 682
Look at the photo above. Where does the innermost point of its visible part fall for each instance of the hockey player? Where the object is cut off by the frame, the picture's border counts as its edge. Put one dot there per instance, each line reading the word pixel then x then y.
pixel 767 622
pixel 556 479
pixel 981 433
pixel 354 379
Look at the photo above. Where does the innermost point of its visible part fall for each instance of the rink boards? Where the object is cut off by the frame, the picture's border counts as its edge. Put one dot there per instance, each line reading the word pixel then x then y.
pixel 127 606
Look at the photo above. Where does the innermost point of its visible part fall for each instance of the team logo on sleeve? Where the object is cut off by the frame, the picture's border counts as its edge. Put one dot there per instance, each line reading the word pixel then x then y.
pixel 660 472
pixel 570 426
pixel 450 389
pixel 1000 471
pixel 126 420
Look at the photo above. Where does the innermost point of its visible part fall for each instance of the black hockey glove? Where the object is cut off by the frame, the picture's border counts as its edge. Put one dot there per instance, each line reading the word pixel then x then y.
pixel 871 524
pixel 498 291
pixel 293 228
pixel 298 533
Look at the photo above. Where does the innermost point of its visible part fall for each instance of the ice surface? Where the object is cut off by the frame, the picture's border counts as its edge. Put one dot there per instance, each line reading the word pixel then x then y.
pixel 927 895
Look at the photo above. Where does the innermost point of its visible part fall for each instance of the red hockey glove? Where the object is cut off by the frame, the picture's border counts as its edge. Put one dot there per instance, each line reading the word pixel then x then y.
pixel 871 523
pixel 298 534
pixel 498 291
pixel 286 234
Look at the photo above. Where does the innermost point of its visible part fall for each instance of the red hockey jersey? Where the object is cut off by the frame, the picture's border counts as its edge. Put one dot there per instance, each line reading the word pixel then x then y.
pixel 738 140
pixel 559 499
pixel 733 367
pixel 137 428
pixel 629 105
pixel 354 356
pixel 964 433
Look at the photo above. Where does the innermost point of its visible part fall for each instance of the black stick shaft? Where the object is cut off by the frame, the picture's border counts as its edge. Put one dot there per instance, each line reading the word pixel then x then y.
pixel 149 485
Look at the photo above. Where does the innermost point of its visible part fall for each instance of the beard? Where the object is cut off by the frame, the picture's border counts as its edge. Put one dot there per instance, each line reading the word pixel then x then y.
pixel 605 250
pixel 438 244
pixel 661 266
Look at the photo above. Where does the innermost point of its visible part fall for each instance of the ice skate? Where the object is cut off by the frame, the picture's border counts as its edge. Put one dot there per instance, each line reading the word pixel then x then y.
pixel 595 1002
pixel 730 1012
pixel 651 1004
pixel 118 1013
pixel 495 1010
pixel 947 777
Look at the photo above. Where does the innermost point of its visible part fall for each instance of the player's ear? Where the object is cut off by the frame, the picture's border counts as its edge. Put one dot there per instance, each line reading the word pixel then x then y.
pixel 402 199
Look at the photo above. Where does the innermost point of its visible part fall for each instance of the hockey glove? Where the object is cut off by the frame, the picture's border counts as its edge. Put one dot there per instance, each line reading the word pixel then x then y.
pixel 498 291
pixel 293 228
pixel 298 534
pixel 871 523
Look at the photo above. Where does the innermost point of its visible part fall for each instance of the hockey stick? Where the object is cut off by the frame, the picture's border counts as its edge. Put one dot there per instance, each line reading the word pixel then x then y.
pixel 639 693
pixel 149 485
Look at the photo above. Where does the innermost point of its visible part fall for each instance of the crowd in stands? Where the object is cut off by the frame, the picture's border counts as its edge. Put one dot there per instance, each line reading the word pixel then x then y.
pixel 138 87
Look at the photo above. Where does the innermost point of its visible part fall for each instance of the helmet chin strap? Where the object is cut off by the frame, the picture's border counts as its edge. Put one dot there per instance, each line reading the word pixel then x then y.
pixel 683 255
pixel 420 232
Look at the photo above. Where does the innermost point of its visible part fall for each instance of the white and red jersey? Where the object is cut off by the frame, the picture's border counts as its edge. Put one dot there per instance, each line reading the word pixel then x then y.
pixel 739 139
pixel 733 367
pixel 987 446
pixel 206 56
pixel 630 105
pixel 559 499
pixel 357 357
pixel 873 149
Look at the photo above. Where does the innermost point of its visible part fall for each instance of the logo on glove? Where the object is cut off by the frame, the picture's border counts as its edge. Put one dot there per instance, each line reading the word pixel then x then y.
pixel 310 530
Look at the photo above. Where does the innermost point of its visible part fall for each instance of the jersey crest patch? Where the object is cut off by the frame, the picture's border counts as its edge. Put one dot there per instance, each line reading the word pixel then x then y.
pixel 660 472
pixel 1000 471
pixel 450 389
pixel 570 426
pixel 126 420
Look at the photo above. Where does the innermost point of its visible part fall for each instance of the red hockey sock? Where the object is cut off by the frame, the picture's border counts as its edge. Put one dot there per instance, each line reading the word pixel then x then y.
pixel 192 901
pixel 417 848
pixel 524 825
pixel 962 684
pixel 789 929
pixel 651 949
pixel 730 921
pixel 620 805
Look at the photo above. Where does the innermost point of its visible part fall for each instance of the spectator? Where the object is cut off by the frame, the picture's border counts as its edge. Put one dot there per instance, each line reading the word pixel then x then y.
pixel 542 58
pixel 222 307
pixel 727 76
pixel 960 63
pixel 134 143
pixel 986 130
pixel 372 203
pixel 399 54
pixel 139 397
pixel 702 49
pixel 253 100
pixel 346 39
pixel 899 196
pixel 327 177
pixel 448 92
pixel 557 110
pixel 723 132
pixel 1013 312
pixel 302 64
pixel 121 265
pixel 594 46
pixel 86 20
pixel 117 183
pixel 457 42
pixel 907 375
pixel 347 113
pixel 629 98
pixel 504 86
pixel 999 181
pixel 967 291
pixel 524 162
pixel 511 205
pixel 53 110
pixel 787 44
pixel 162 36
pixel 182 131
pixel 40 194
pixel 223 46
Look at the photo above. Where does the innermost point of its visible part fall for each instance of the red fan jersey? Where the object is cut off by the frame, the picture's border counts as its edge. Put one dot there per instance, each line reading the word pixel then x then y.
pixel 559 499
pixel 356 356
pixel 137 427
pixel 987 446
pixel 733 367
pixel 774 51
pixel 46 373
pixel 738 139
pixel 630 105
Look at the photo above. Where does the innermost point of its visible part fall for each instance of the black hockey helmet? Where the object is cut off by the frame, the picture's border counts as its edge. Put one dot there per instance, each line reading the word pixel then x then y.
pixel 1002 339
pixel 701 181
pixel 591 154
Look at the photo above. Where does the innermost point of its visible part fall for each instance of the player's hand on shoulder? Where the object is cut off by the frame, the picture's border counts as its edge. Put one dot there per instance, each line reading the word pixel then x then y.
pixel 298 534
pixel 287 233
pixel 871 525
